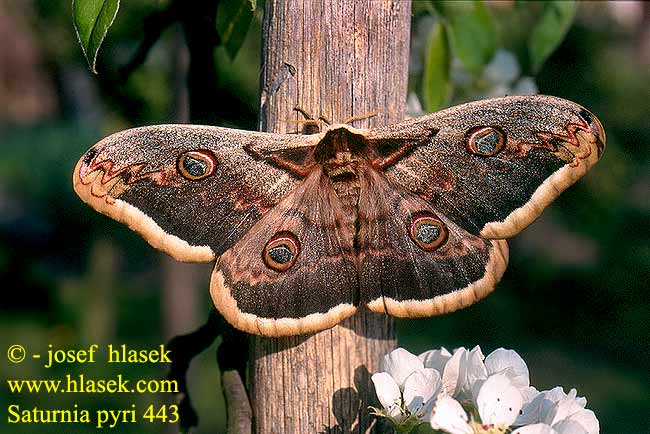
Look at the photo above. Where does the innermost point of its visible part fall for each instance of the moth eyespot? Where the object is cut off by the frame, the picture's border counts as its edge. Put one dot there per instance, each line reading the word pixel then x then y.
pixel 195 165
pixel 281 251
pixel 428 232
pixel 485 141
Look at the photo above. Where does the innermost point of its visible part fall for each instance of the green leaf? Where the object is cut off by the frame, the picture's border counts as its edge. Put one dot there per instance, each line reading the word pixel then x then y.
pixel 436 86
pixel 233 20
pixel 92 19
pixel 550 31
pixel 424 428
pixel 253 4
pixel 472 32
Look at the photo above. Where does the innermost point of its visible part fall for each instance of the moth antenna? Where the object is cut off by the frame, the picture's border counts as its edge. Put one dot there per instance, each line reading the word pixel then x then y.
pixel 360 117
pixel 304 113
pixel 310 117
pixel 299 121
pixel 325 120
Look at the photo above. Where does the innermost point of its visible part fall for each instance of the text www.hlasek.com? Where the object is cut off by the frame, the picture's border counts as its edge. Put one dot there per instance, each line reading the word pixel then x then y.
pixel 81 384
pixel 60 412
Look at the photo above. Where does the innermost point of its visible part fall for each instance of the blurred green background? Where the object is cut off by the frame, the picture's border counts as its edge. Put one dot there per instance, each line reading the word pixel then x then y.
pixel 573 301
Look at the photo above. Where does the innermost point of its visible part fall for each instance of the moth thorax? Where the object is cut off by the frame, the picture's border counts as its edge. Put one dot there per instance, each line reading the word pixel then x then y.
pixel 340 153
pixel 343 170
pixel 344 165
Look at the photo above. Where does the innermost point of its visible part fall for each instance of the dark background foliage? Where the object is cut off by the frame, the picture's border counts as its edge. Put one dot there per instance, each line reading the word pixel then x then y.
pixel 573 301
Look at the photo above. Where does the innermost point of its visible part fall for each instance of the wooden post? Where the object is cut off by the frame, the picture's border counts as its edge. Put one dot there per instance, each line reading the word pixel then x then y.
pixel 335 58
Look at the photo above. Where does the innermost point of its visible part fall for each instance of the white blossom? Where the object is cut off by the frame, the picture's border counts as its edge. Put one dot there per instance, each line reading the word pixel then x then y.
pixel 420 390
pixel 388 394
pixel 564 413
pixel 509 363
pixel 463 392
pixel 449 415
pixel 406 389
pixel 458 371
pixel 496 400
pixel 461 370
pixel 399 364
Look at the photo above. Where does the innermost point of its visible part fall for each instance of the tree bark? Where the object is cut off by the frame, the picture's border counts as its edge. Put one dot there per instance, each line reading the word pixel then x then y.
pixel 335 58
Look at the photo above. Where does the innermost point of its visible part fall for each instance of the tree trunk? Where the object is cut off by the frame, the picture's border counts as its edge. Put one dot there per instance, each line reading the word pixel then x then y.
pixel 335 58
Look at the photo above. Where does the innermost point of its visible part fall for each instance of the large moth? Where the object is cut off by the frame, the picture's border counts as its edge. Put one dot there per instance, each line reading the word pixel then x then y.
pixel 408 219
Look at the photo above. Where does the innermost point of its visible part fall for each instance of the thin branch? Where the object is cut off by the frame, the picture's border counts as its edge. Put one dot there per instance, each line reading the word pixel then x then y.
pixel 199 20
pixel 232 357
pixel 184 348
pixel 240 414
pixel 154 25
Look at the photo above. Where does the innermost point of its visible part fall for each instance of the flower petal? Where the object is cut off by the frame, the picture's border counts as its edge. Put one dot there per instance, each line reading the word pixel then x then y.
pixel 399 363
pixel 564 407
pixel 535 411
pixel 501 360
pixel 448 415
pixel 476 388
pixel 557 394
pixel 528 393
pixel 498 401
pixel 451 372
pixel 436 359
pixel 471 370
pixel 569 427
pixel 420 390
pixel 388 393
pixel 587 420
pixel 538 428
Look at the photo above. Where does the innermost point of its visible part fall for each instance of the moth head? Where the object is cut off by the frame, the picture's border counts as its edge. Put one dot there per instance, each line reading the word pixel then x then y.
pixel 485 141
pixel 427 231
pixel 281 251
pixel 311 127
pixel 311 124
